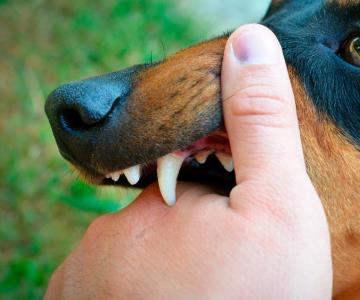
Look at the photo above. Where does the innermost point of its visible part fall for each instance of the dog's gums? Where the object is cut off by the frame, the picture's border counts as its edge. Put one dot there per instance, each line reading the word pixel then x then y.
pixel 168 166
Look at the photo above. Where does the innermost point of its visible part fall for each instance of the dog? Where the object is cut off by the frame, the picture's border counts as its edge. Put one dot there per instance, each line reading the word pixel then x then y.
pixel 166 118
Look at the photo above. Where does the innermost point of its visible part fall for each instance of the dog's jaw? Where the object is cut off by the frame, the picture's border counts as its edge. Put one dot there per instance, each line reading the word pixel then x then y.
pixel 168 167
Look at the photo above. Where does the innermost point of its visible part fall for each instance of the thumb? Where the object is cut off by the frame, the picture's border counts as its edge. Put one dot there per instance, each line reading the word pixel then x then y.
pixel 259 107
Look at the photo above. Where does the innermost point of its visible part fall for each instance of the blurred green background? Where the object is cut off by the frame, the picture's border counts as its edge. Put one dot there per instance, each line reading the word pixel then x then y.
pixel 44 208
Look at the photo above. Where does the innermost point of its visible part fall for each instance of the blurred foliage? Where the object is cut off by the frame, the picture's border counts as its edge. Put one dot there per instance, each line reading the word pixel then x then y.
pixel 44 208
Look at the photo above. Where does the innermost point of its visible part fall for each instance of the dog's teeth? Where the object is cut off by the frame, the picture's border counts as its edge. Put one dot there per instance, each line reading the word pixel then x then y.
pixel 115 176
pixel 202 156
pixel 133 174
pixel 226 161
pixel 168 168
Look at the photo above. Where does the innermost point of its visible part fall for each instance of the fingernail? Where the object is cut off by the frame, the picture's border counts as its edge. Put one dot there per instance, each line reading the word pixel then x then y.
pixel 255 46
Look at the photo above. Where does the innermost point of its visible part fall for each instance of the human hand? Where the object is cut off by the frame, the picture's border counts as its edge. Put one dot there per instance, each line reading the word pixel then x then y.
pixel 268 240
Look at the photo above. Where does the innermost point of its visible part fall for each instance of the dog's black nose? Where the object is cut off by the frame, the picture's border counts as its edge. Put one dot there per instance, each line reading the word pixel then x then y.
pixel 79 106
pixel 79 111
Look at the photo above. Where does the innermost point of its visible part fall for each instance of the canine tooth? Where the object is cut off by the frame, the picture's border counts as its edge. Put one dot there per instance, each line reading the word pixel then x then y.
pixel 133 174
pixel 168 168
pixel 202 157
pixel 226 161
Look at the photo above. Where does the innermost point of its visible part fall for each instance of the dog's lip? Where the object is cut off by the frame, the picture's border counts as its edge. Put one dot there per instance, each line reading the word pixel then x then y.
pixel 214 143
pixel 206 160
pixel 211 172
pixel 167 169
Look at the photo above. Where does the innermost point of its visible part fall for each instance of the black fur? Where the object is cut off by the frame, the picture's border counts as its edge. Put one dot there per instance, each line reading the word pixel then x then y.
pixel 311 34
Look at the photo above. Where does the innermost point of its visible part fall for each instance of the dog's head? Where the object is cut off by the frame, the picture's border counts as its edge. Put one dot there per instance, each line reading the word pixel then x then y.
pixel 133 119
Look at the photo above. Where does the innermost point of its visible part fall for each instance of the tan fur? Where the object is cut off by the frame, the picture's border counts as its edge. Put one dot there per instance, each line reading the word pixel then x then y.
pixel 334 167
pixel 332 160
pixel 177 92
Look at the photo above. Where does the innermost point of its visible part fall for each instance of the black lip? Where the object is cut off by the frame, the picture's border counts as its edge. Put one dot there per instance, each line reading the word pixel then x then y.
pixel 212 172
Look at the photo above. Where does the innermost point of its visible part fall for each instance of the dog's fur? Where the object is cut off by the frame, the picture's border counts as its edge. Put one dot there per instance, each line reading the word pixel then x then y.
pixel 177 101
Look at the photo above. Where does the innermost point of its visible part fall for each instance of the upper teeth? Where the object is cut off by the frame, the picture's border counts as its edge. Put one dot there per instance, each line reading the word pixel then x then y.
pixel 133 174
pixel 168 168
pixel 114 176
pixel 202 156
pixel 226 160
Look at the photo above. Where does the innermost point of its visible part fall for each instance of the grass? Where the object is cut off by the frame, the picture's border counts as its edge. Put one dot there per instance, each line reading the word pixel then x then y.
pixel 44 208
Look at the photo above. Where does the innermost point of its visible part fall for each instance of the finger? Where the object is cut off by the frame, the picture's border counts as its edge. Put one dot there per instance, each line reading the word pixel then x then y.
pixel 185 191
pixel 259 106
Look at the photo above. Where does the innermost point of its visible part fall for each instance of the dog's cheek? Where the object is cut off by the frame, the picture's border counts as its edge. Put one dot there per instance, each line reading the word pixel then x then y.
pixel 179 101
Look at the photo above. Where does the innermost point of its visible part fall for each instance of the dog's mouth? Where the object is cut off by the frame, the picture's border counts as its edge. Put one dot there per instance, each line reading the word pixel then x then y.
pixel 138 125
pixel 206 160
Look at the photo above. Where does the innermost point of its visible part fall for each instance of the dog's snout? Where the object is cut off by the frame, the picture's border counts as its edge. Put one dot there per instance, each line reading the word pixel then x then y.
pixel 80 111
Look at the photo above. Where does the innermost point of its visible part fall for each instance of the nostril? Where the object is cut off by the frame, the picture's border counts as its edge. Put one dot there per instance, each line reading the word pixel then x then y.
pixel 71 120
pixel 87 105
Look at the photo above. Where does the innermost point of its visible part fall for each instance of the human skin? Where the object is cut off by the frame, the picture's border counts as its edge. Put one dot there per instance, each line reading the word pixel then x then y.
pixel 268 239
